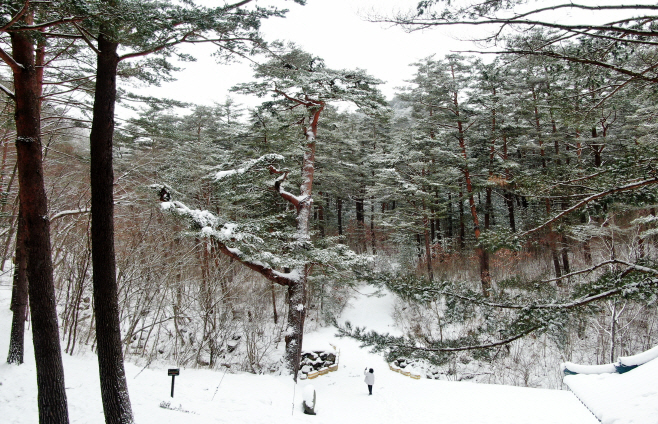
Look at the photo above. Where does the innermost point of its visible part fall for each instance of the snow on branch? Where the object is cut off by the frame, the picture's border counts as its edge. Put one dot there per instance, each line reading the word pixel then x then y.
pixel 9 60
pixel 471 347
pixel 202 218
pixel 427 292
pixel 627 187
pixel 45 25
pixel 645 220
pixel 489 13
pixel 248 166
pixel 387 342
pixel 582 301
pixel 528 318
pixel 68 213
pixel 8 92
pixel 281 278
pixel 599 265
pixel 223 232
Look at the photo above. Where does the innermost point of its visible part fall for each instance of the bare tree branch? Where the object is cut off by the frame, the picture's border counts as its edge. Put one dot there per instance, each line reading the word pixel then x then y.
pixel 153 49
pixel 238 4
pixel 277 187
pixel 308 103
pixel 184 39
pixel 419 24
pixel 586 7
pixel 85 36
pixel 636 75
pixel 584 271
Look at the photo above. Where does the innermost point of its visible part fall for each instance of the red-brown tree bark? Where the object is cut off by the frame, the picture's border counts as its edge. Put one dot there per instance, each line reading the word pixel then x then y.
pixel 114 389
pixel 34 204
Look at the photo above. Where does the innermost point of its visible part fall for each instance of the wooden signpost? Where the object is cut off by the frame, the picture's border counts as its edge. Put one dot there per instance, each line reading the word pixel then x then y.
pixel 173 372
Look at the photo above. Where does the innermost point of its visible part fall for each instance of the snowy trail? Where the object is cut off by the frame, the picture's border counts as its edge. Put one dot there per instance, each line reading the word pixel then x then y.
pixel 397 398
pixel 342 396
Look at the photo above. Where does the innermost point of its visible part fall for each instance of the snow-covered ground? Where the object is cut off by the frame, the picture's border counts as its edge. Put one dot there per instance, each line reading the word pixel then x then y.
pixel 342 396
pixel 629 398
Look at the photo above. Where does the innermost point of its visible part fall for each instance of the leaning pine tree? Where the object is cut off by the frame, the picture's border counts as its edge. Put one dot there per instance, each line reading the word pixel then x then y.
pixel 301 86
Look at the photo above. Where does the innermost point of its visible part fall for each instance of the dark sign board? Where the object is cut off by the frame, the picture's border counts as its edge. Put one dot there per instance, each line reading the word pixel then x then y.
pixel 173 372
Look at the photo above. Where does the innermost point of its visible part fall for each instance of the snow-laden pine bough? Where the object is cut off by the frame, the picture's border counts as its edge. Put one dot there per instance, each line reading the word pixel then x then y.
pixel 289 268
pixel 509 316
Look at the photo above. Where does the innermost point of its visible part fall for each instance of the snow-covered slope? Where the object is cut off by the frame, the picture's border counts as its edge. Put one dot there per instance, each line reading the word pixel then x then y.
pixel 342 396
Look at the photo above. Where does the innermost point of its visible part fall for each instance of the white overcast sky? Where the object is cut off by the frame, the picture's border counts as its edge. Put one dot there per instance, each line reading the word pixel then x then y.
pixel 337 31
pixel 334 30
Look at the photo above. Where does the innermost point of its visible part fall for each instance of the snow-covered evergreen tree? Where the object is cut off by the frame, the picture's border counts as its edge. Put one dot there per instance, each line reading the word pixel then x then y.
pixel 301 86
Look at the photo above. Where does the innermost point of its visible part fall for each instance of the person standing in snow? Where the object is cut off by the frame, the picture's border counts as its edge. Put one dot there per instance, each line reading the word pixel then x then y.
pixel 370 379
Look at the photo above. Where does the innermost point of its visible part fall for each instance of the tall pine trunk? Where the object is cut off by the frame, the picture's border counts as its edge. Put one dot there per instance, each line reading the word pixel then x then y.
pixel 295 326
pixel 51 397
pixel 488 207
pixel 361 221
pixel 339 215
pixel 321 223
pixel 114 389
pixel 462 224
pixel 373 240
pixel 483 256
pixel 428 240
pixel 509 196
pixel 449 217
pixel 297 286
pixel 551 235
pixel 19 294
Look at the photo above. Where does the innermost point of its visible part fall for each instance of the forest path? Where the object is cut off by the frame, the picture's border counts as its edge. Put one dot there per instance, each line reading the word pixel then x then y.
pixel 400 399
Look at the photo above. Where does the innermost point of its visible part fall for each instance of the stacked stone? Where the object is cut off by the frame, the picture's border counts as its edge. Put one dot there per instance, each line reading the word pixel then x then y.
pixel 317 362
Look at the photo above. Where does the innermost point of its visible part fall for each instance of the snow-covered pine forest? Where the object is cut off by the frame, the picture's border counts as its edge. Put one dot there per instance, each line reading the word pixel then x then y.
pixel 508 201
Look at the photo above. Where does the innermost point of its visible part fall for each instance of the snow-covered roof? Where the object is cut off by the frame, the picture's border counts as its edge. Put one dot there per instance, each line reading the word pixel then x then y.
pixel 615 395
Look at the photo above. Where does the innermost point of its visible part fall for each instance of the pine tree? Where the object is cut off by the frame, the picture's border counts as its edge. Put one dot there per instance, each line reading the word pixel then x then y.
pixel 142 28
pixel 18 20
pixel 302 86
